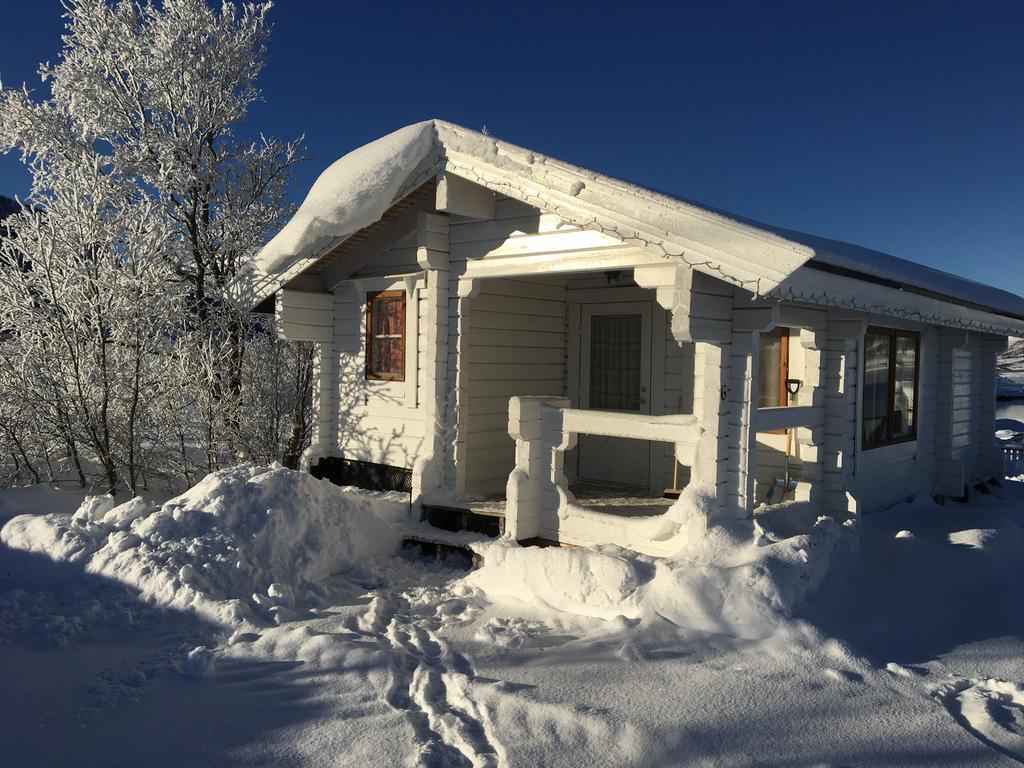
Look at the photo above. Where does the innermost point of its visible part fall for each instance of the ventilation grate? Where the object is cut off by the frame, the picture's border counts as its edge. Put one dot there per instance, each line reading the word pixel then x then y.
pixel 363 474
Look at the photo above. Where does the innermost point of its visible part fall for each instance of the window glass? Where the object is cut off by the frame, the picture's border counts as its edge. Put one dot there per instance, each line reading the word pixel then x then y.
pixel 385 337
pixel 889 399
pixel 773 369
pixel 904 407
pixel 877 351
pixel 615 351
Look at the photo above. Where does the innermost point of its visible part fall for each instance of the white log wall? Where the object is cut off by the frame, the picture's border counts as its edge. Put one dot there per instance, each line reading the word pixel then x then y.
pixel 515 344
pixel 506 319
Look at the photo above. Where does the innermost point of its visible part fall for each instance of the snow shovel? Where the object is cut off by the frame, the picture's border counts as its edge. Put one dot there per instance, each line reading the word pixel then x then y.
pixel 782 485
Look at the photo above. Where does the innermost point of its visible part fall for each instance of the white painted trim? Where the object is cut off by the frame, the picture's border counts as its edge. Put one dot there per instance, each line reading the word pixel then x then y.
pixel 788 417
pixel 659 456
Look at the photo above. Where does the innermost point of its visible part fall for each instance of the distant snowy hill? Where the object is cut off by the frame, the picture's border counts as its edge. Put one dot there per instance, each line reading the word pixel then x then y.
pixel 1011 370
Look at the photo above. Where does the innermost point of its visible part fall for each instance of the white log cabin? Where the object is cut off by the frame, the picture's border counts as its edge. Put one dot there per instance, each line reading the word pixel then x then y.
pixel 554 349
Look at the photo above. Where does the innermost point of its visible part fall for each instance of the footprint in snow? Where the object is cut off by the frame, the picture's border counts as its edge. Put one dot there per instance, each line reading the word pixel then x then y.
pixel 991 709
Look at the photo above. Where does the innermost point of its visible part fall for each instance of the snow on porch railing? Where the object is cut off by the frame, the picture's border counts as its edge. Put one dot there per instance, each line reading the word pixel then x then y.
pixel 538 500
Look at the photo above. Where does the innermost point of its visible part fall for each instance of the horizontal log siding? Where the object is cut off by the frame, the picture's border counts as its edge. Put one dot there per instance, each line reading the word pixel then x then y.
pixel 515 345
pixel 305 316
pixel 374 421
pixel 890 474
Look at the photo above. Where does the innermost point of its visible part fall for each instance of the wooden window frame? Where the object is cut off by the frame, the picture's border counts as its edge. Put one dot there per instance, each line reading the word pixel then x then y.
pixel 371 297
pixel 784 335
pixel 893 334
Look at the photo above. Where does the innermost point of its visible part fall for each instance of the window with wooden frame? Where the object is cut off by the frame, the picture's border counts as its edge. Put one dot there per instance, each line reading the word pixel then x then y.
pixel 890 385
pixel 385 336
pixel 773 369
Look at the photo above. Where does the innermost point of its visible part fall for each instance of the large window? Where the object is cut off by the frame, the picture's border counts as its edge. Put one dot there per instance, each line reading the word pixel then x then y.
pixel 890 386
pixel 773 369
pixel 385 336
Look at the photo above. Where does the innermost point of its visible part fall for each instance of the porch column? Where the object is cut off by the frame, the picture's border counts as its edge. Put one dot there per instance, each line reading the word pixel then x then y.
pixel 539 465
pixel 702 312
pixel 740 405
pixel 432 255
pixel 812 393
pixel 325 407
pixel 950 477
pixel 461 291
pixel 991 454
pixel 710 406
pixel 840 379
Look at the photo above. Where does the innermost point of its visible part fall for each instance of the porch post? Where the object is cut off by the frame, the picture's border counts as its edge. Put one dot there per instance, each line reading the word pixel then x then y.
pixel 522 492
pixel 991 452
pixel 432 255
pixel 325 411
pixel 950 477
pixel 812 393
pixel 840 380
pixel 710 406
pixel 702 313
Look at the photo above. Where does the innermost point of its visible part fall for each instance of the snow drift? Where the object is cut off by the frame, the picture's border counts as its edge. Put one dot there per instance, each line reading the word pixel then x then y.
pixel 733 580
pixel 242 543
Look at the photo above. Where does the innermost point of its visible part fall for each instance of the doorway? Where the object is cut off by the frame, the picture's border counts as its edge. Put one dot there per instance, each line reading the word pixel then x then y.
pixel 615 375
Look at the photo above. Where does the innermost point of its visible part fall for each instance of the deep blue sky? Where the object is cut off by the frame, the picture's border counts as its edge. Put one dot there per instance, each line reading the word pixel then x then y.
pixel 896 125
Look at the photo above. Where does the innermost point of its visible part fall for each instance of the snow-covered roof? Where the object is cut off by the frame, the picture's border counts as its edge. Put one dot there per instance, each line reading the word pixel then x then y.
pixel 357 189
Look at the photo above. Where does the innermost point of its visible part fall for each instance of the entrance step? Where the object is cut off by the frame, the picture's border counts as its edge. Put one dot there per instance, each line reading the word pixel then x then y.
pixel 425 539
pixel 488 522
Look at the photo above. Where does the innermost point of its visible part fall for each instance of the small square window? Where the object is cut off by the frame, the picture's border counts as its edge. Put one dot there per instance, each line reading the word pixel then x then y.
pixel 385 336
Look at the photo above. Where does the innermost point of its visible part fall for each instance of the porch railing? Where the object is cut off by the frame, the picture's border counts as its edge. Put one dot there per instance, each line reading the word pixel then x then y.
pixel 538 499
pixel 807 423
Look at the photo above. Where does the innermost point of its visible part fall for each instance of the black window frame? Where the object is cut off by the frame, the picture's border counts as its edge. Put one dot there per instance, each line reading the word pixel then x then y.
pixel 893 334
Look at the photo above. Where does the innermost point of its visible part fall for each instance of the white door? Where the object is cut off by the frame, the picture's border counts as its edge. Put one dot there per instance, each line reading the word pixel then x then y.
pixel 615 375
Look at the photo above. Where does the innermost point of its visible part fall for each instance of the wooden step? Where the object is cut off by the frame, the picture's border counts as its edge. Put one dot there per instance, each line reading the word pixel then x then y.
pixel 489 522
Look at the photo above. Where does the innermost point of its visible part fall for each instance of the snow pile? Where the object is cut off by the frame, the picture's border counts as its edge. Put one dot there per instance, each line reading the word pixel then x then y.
pixel 245 541
pixel 352 193
pixel 581 581
pixel 686 521
pixel 723 582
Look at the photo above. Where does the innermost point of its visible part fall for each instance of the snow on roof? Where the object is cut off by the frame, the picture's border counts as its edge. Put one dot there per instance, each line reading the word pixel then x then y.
pixel 883 266
pixel 357 189
pixel 351 194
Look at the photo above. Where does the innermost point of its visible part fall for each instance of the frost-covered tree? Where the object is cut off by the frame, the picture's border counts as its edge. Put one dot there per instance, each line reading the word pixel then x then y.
pixel 85 306
pixel 144 114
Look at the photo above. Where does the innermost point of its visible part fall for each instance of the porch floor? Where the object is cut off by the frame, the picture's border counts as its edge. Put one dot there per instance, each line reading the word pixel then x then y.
pixel 626 502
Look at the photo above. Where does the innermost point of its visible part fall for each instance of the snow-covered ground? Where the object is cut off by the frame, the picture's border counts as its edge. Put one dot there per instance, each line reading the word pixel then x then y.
pixel 267 618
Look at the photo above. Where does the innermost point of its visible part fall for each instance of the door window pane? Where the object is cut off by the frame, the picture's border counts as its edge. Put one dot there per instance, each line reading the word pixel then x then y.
pixel 904 408
pixel 876 388
pixel 615 362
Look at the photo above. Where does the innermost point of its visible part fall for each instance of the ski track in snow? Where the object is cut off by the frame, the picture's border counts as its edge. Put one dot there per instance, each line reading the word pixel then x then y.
pixel 990 709
pixel 431 682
